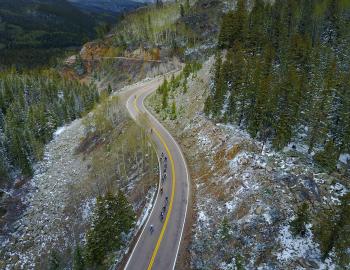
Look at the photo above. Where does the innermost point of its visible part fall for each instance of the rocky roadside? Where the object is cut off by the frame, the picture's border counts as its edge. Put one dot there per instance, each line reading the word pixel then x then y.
pixel 115 72
pixel 246 194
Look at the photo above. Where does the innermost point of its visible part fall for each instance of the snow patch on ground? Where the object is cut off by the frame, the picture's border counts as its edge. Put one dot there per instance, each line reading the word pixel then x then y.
pixel 294 247
pixel 203 218
pixel 203 140
pixel 59 131
pixel 339 189
pixel 87 208
pixel 238 160
pixel 231 205
pixel 345 158
pixel 147 209
pixel 299 147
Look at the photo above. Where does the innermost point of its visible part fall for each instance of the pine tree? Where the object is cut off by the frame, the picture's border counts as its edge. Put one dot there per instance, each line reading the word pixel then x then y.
pixel 125 213
pixel 219 91
pixel 182 11
pixel 54 261
pixel 256 26
pixel 224 231
pixel 4 166
pixel 208 105
pixel 257 94
pixel 298 225
pixel 173 111
pixel 341 114
pixel 78 260
pixel 165 95
pixel 333 225
pixel 239 262
pixel 109 89
pixel 187 6
pixel 234 26
pixel 96 247
pixel 159 3
pixel 328 158
pixel 322 107
pixel 260 114
pixel 226 35
pixel 238 99
pixel 184 86
pixel 283 132
pixel 113 217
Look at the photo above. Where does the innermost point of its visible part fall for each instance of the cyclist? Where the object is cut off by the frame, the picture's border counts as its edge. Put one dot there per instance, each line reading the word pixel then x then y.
pixel 161 191
pixel 151 228
pixel 166 200
pixel 161 216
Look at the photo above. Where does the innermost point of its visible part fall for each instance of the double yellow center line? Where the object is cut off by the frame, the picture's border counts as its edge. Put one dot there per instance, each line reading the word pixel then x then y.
pixel 155 251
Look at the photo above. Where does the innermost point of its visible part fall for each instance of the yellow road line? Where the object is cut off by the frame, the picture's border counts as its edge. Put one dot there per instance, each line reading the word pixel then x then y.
pixel 155 251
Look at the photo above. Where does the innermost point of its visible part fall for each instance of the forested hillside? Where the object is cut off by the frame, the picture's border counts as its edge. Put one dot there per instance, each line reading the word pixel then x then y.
pixel 282 73
pixel 107 8
pixel 34 32
pixel 176 27
pixel 32 106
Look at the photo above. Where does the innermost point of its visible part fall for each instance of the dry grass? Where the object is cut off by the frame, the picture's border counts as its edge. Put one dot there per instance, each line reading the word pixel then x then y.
pixel 220 160
pixel 233 151
pixel 242 210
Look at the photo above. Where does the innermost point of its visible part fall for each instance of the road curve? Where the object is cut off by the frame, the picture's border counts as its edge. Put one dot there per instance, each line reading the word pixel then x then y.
pixel 159 250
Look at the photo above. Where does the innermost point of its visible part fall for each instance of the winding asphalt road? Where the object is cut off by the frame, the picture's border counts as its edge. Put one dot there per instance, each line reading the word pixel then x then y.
pixel 159 250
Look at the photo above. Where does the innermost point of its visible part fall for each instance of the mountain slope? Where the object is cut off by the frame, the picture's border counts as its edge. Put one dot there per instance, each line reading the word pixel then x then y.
pixel 29 30
pixel 32 31
pixel 42 23
pixel 106 6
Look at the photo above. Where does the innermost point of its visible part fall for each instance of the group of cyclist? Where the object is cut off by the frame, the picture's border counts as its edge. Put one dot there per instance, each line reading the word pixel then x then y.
pixel 164 208
pixel 164 159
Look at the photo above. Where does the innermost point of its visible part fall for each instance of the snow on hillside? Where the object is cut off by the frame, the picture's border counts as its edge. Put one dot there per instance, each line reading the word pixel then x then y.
pixel 59 204
pixel 255 188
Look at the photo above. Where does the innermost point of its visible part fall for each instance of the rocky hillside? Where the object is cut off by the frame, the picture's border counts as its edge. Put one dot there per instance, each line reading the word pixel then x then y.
pixel 55 209
pixel 106 66
pixel 255 208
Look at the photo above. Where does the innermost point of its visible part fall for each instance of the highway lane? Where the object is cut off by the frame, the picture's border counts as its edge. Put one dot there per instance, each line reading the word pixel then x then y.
pixel 159 250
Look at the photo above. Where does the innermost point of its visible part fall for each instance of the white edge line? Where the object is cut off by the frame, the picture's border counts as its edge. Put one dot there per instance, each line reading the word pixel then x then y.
pixel 188 183
pixel 153 206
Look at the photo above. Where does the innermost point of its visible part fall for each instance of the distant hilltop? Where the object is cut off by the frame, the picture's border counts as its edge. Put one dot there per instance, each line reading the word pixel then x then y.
pixel 115 6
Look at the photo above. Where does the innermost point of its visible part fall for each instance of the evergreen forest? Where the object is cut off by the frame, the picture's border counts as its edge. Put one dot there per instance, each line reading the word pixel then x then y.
pixel 282 73
pixel 32 106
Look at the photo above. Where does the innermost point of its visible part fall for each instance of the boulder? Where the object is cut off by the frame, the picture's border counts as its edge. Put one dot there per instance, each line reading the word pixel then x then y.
pixel 307 264
pixel 289 180
pixel 14 259
pixel 258 210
